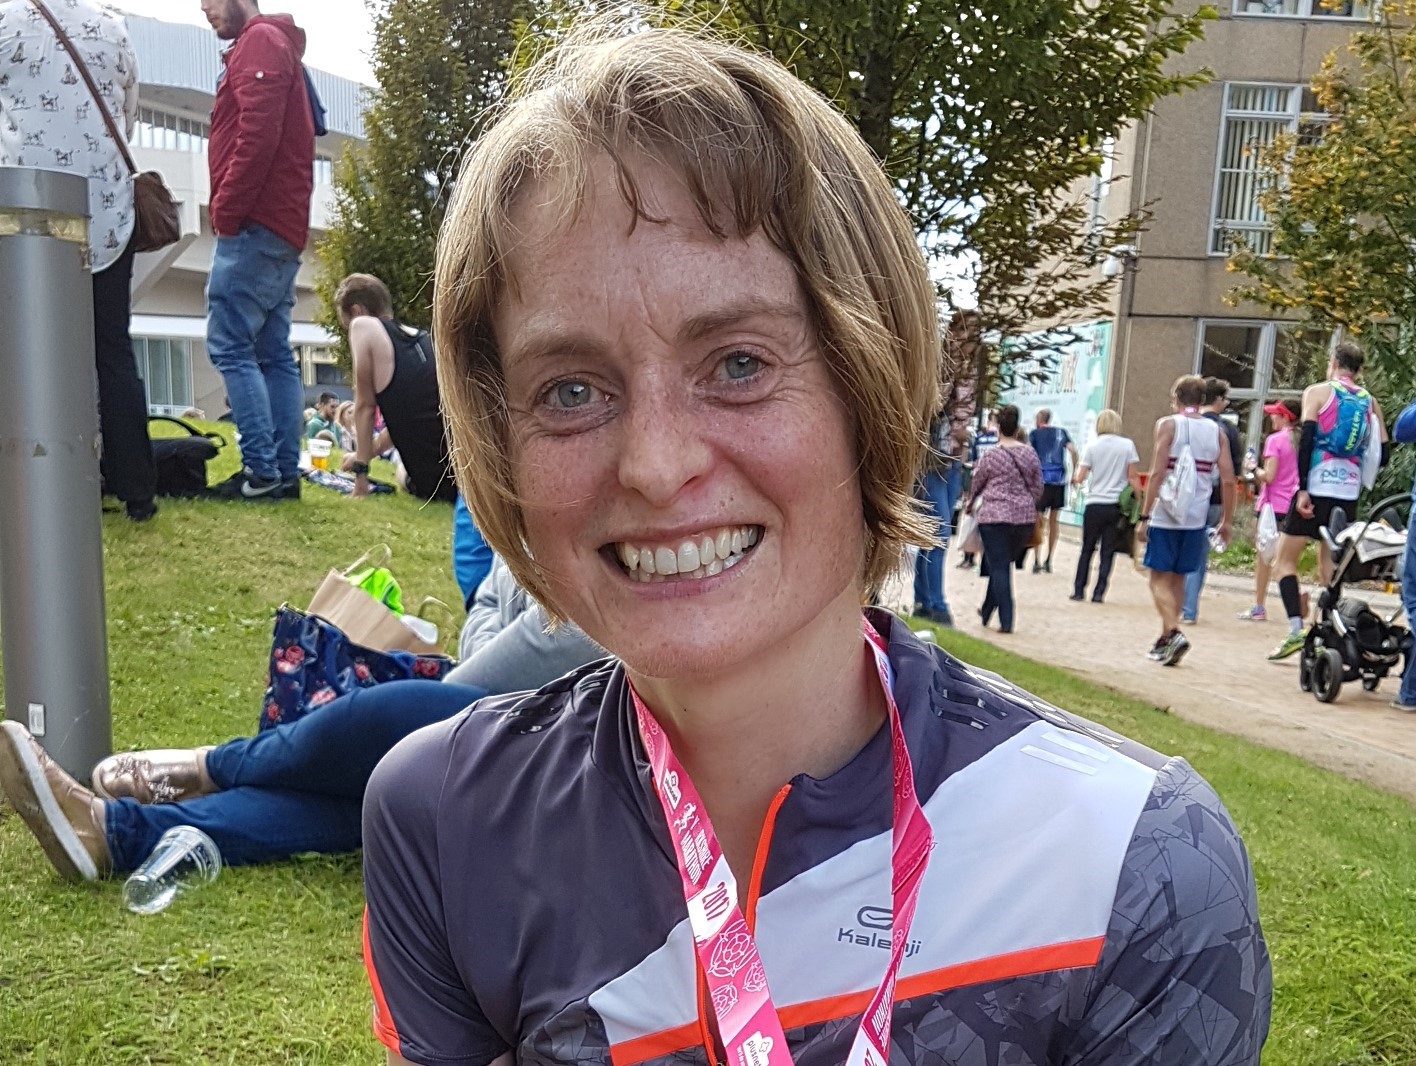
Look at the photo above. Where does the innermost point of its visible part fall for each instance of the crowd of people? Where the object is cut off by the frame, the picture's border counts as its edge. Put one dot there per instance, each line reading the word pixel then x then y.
pixel 664 265
pixel 1317 457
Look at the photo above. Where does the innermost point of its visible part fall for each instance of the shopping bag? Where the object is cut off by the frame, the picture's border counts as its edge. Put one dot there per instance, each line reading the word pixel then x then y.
pixel 1266 537
pixel 313 661
pixel 970 541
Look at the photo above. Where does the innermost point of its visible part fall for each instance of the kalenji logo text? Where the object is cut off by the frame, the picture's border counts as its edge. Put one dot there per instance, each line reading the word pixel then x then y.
pixel 872 930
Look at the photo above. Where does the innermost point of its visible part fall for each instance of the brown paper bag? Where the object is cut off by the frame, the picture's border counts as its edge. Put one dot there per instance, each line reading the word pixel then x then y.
pixel 364 619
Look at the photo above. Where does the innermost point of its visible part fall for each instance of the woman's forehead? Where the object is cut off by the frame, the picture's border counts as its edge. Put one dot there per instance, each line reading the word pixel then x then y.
pixel 608 262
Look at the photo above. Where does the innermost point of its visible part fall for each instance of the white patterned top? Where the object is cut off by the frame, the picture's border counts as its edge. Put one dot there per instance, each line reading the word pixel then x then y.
pixel 47 115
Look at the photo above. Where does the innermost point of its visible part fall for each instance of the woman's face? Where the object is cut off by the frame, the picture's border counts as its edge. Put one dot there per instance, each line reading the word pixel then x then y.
pixel 684 462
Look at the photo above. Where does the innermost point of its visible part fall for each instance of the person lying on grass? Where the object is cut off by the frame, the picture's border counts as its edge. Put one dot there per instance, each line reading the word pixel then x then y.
pixel 689 350
pixel 292 789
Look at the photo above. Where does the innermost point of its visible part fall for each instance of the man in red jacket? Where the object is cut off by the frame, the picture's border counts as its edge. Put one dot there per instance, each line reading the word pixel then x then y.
pixel 262 158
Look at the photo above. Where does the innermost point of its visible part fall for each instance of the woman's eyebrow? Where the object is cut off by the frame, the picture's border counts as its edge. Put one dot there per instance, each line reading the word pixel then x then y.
pixel 709 322
pixel 546 340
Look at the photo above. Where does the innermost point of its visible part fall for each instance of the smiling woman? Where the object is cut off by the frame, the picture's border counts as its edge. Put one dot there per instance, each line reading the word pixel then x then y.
pixel 688 351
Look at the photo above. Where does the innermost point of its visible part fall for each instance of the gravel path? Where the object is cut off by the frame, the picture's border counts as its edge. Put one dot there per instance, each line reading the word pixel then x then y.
pixel 1224 682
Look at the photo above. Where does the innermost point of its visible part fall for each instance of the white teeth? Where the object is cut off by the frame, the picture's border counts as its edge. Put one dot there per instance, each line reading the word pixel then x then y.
pixel 687 557
pixel 704 555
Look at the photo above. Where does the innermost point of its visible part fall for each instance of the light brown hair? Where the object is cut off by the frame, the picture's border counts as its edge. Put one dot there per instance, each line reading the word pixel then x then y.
pixel 1108 422
pixel 366 291
pixel 758 150
pixel 1189 390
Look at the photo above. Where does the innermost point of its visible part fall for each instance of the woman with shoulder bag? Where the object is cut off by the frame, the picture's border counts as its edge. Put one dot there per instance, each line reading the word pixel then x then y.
pixel 1109 464
pixel 1007 484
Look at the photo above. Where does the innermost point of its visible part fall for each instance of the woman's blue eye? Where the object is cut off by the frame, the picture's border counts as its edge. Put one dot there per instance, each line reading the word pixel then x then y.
pixel 571 394
pixel 741 365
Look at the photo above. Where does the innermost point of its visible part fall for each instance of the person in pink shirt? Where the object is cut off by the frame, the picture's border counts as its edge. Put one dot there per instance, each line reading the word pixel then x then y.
pixel 1277 477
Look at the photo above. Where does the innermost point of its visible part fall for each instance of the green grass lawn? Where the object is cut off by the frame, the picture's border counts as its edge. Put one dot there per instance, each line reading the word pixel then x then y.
pixel 263 968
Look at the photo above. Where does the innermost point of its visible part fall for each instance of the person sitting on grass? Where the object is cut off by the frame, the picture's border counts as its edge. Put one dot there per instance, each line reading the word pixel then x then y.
pixel 292 789
pixel 690 348
pixel 394 375
pixel 322 425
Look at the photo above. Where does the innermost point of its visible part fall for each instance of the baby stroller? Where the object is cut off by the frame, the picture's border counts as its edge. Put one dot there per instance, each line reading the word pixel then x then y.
pixel 1350 641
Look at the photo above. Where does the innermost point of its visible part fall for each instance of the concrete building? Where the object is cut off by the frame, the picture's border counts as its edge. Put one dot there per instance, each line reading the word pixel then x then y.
pixel 178 67
pixel 1193 162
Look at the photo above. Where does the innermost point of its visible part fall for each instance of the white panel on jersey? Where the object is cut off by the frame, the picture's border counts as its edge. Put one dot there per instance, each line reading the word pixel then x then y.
pixel 1028 848
pixel 660 993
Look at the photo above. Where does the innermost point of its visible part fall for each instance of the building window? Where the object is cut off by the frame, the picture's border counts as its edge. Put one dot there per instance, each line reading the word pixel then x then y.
pixel 165 365
pixel 1254 115
pixel 171 133
pixel 1263 362
pixel 1340 9
pixel 318 366
pixel 324 170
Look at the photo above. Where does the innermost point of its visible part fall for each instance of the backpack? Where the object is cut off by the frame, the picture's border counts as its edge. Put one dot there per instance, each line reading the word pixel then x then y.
pixel 1348 436
pixel 182 461
pixel 317 107
pixel 1182 483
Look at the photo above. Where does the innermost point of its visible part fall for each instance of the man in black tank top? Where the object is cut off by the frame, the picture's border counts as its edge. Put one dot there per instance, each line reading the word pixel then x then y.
pixel 394 372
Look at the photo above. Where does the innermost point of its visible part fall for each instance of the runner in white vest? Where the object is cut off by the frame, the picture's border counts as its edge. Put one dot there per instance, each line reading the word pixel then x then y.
pixel 1176 544
pixel 1341 420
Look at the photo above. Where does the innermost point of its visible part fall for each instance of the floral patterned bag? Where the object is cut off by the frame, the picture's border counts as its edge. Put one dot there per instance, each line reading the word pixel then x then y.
pixel 313 662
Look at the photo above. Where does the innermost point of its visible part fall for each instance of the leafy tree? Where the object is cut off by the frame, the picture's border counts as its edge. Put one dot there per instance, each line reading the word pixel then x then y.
pixel 439 65
pixel 989 117
pixel 1343 210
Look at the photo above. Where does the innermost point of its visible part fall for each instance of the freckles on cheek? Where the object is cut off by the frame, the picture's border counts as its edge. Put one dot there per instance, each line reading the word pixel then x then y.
pixel 553 480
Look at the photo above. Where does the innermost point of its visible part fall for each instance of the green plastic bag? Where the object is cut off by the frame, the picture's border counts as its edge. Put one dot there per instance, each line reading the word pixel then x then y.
pixel 376 578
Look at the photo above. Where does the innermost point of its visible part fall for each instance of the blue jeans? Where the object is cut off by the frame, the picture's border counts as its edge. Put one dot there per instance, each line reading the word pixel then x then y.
pixel 1408 600
pixel 941 492
pixel 1003 545
pixel 250 298
pixel 294 788
pixel 1195 579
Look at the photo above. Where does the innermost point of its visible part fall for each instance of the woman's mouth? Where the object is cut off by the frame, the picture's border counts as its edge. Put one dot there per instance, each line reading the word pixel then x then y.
pixel 700 555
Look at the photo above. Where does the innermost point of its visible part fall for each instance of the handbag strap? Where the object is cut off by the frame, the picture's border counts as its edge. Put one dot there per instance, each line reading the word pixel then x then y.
pixel 120 141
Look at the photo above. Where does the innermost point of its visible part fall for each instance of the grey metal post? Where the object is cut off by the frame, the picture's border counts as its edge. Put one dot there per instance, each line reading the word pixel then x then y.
pixel 51 547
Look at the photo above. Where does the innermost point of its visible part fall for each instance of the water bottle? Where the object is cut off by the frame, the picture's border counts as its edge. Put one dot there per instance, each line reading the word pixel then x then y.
pixel 185 858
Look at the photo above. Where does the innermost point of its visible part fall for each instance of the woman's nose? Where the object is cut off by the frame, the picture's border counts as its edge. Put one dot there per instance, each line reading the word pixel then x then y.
pixel 662 446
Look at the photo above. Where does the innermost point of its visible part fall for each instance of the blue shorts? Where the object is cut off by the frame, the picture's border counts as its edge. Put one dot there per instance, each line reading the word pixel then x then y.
pixel 1176 551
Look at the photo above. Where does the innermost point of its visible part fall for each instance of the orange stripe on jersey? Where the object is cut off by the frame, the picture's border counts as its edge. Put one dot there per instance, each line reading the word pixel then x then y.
pixel 384 1028
pixel 980 971
pixel 655 1045
pixel 1068 956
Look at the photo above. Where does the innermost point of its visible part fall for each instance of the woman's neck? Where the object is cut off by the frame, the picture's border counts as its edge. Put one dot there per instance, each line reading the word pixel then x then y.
pixel 806 705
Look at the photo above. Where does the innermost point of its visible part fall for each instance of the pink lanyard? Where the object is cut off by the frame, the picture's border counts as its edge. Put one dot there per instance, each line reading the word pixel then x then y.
pixel 747 1018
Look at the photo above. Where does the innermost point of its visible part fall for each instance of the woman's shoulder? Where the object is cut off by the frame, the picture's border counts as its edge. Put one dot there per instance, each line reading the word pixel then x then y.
pixel 500 737
pixel 1278 442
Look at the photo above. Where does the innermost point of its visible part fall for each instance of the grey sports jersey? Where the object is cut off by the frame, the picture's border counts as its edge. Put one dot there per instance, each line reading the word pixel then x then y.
pixel 1088 901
